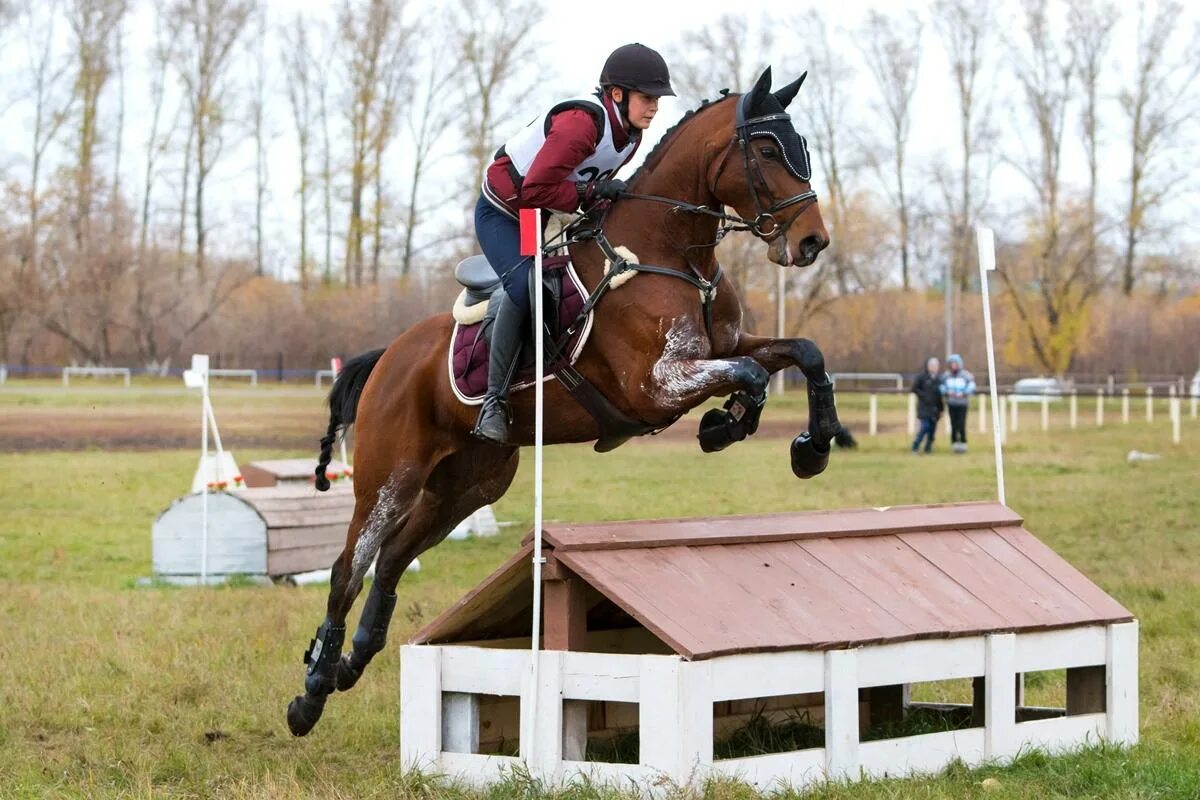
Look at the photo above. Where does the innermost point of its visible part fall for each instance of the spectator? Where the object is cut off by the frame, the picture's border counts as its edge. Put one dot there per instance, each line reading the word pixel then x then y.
pixel 958 385
pixel 927 388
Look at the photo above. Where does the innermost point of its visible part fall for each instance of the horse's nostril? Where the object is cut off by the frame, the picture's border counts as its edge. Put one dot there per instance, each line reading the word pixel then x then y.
pixel 813 244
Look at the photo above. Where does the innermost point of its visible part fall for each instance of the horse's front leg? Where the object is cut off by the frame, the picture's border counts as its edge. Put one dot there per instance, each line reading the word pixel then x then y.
pixel 810 450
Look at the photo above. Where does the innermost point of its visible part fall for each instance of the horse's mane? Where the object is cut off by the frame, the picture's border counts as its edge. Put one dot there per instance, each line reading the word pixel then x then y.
pixel 660 148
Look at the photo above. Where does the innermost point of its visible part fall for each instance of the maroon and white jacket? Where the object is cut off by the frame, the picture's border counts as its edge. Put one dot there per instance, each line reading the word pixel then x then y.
pixel 580 139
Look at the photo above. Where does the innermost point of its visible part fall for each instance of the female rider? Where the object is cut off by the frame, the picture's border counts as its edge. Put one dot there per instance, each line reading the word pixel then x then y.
pixel 563 160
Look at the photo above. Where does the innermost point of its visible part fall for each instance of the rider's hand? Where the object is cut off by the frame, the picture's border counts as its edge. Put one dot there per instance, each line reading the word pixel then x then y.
pixel 600 190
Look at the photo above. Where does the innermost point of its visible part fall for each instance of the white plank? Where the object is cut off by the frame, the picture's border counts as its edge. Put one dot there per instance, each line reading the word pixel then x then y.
pixel 476 770
pixel 675 715
pixel 928 752
pixel 1000 697
pixel 460 722
pixel 1070 647
pixel 1122 684
pixel 546 749
pixel 841 714
pixel 752 675
pixel 798 770
pixel 420 706
pixel 921 661
pixel 600 676
pixel 482 670
pixel 1063 734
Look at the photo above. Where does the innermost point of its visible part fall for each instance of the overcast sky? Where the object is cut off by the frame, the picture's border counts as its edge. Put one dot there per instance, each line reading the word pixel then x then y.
pixel 574 50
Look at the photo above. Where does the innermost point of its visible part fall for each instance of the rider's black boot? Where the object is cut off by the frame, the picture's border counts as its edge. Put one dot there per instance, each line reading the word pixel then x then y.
pixel 495 415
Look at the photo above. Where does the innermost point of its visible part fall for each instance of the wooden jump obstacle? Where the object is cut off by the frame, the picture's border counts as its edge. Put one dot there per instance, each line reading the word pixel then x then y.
pixel 682 630
pixel 279 526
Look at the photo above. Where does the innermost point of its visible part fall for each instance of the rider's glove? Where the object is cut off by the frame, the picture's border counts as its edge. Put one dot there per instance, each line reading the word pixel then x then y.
pixel 600 190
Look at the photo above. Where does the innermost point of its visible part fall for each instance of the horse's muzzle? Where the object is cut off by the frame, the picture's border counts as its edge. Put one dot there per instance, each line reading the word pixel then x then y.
pixel 781 251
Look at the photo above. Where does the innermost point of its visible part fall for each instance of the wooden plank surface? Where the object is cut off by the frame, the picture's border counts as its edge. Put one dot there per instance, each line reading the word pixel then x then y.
pixel 778 527
pixel 289 538
pixel 302 559
pixel 1104 607
pixel 514 573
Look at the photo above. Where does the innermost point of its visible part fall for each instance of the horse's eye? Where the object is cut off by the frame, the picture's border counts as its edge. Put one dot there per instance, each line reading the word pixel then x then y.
pixel 770 152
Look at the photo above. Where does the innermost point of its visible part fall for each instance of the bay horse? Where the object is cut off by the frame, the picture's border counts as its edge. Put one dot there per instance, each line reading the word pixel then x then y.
pixel 658 349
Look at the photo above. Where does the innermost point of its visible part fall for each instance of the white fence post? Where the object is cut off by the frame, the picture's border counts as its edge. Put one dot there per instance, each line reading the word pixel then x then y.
pixel 873 414
pixel 1074 409
pixel 675 715
pixel 1125 406
pixel 1045 411
pixel 1121 686
pixel 421 703
pixel 1149 404
pixel 1000 696
pixel 1100 408
pixel 1176 414
pixel 841 714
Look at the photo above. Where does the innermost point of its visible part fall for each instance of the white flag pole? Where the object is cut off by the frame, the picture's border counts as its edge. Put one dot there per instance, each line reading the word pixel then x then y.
pixel 538 417
pixel 987 263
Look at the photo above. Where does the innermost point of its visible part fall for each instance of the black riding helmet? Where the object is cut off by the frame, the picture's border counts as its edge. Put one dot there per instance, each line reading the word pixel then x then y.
pixel 637 67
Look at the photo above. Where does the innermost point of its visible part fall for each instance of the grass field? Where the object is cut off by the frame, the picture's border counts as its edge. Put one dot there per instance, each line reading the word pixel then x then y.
pixel 112 690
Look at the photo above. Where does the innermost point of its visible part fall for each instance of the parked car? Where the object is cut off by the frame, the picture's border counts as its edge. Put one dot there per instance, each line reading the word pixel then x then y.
pixel 1031 390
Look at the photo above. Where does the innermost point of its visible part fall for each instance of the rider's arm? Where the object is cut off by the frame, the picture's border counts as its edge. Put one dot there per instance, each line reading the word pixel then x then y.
pixel 571 139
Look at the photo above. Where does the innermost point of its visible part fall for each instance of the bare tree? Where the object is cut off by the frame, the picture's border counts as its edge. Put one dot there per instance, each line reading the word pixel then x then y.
pixel 258 104
pixel 1091 24
pixel 396 90
pixel 370 38
pixel 160 59
pixel 301 72
pixel 734 55
pixel 495 43
pixel 1158 104
pixel 966 28
pixel 95 25
pixel 209 29
pixel 891 47
pixel 431 117
pixel 825 101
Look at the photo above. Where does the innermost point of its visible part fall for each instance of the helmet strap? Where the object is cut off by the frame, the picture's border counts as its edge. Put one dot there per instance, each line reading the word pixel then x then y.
pixel 622 105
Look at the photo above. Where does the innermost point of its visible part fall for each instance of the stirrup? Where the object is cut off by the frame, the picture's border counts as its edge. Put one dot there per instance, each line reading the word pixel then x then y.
pixel 493 406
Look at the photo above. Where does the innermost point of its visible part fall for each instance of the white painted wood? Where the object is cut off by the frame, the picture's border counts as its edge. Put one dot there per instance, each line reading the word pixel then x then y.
pixel 482 670
pixel 574 734
pixel 545 754
pixel 237 541
pixel 841 714
pixel 1061 735
pixel 1176 418
pixel 873 414
pixel 1069 647
pixel 748 675
pixel 1149 404
pixel 420 706
pixel 920 661
pixel 675 715
pixel 799 769
pixel 1000 697
pixel 1099 408
pixel 1125 405
pixel 460 722
pixel 601 676
pixel 928 752
pixel 1122 684
pixel 477 771
pixel 1074 409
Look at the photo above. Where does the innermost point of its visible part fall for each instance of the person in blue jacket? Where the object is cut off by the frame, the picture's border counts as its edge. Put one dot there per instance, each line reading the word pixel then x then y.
pixel 958 385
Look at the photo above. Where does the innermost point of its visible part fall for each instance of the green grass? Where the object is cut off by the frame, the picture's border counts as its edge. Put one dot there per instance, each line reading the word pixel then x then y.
pixel 112 690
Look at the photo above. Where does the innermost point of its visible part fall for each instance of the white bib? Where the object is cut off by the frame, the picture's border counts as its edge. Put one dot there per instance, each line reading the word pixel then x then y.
pixel 606 160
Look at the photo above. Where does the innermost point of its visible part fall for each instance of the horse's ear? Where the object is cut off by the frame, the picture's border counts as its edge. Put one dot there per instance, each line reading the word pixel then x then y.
pixel 788 93
pixel 763 84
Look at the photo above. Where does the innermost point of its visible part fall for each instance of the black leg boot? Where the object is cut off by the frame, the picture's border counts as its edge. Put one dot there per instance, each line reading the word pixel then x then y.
pixel 507 330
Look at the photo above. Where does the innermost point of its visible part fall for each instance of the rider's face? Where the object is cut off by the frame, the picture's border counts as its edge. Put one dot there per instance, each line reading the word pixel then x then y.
pixel 642 108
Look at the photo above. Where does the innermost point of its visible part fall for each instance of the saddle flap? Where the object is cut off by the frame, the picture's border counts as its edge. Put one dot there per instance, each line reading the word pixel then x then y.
pixel 476 273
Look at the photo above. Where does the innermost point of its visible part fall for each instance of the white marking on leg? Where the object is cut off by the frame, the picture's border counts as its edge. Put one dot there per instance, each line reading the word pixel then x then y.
pixel 383 519
pixel 683 368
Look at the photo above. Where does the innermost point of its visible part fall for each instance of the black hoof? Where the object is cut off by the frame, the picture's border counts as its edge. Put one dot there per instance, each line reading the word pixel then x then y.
pixel 807 460
pixel 718 430
pixel 845 439
pixel 303 713
pixel 347 675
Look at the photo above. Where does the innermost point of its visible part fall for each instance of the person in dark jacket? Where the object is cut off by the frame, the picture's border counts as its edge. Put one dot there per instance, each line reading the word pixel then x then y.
pixel 928 389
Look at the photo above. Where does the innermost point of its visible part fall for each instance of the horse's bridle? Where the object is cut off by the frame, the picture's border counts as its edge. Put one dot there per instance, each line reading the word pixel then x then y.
pixel 754 178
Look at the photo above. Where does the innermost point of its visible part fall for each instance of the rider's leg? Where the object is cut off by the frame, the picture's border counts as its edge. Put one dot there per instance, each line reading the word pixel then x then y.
pixel 500 237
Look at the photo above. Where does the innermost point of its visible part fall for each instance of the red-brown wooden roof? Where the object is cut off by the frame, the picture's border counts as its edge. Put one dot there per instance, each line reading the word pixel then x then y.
pixel 815 580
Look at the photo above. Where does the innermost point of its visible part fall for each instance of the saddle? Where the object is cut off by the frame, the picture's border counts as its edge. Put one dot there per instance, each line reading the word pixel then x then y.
pixel 566 332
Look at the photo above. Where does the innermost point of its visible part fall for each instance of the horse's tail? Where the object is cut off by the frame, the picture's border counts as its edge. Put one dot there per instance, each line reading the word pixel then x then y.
pixel 343 406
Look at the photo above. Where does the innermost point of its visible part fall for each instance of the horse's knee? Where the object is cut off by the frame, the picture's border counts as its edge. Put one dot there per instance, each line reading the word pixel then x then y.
pixel 808 358
pixel 751 376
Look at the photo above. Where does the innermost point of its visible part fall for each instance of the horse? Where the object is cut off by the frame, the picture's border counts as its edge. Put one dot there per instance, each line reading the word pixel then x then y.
pixel 658 349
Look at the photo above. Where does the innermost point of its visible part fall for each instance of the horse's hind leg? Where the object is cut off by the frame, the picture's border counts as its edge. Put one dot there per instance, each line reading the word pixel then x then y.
pixel 378 514
pixel 458 485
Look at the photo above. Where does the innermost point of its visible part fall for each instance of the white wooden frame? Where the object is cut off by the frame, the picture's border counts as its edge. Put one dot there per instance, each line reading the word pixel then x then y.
pixel 120 372
pixel 676 697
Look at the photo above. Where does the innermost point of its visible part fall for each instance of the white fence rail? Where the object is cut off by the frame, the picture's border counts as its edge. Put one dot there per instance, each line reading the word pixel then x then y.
pixel 95 372
pixel 320 375
pixel 252 374
pixel 895 377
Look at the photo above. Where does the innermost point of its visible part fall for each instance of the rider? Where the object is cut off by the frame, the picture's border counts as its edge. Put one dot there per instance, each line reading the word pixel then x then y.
pixel 563 160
